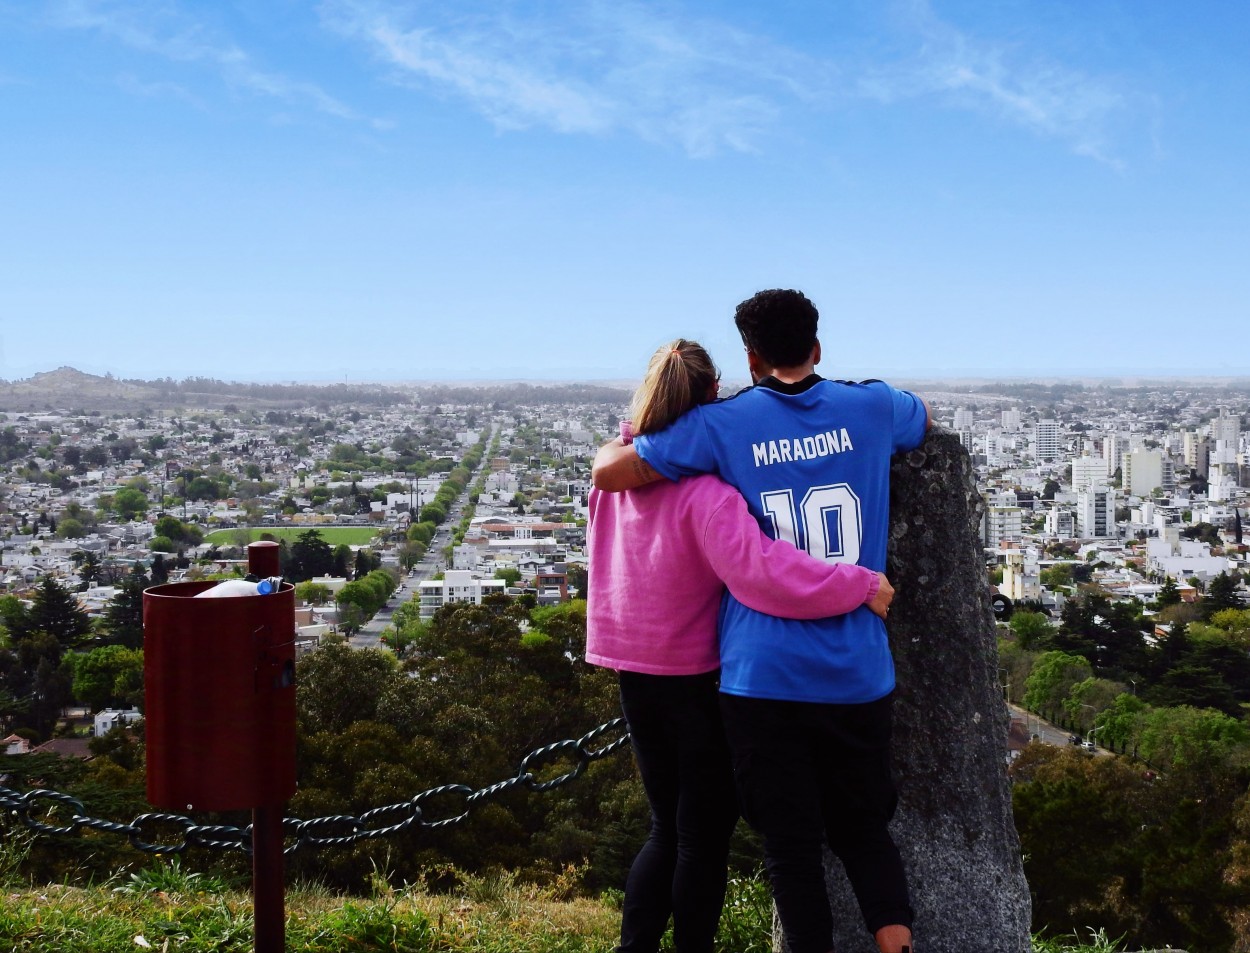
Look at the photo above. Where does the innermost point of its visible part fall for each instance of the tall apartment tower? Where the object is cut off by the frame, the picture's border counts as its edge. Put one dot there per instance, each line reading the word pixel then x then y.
pixel 1012 421
pixel 1095 513
pixel 1197 452
pixel 1046 434
pixel 963 419
pixel 1147 470
pixel 1001 522
pixel 1113 449
pixel 1086 471
pixel 1226 427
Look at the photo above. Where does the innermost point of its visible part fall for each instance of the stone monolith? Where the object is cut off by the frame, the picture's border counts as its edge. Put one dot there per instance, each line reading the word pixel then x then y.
pixel 954 824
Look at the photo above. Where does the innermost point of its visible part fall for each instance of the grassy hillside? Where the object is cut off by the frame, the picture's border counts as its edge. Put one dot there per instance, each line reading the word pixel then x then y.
pixel 162 908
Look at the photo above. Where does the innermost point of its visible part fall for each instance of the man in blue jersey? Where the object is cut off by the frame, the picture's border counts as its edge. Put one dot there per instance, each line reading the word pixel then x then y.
pixel 807 704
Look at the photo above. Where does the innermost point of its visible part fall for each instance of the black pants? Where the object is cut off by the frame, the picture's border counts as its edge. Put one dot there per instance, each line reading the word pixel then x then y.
pixel 807 773
pixel 679 744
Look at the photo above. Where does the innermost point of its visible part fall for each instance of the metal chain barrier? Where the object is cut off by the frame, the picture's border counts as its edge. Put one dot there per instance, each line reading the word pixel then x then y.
pixel 44 812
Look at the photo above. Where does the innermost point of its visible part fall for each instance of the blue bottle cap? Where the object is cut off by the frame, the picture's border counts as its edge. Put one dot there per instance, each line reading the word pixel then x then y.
pixel 264 587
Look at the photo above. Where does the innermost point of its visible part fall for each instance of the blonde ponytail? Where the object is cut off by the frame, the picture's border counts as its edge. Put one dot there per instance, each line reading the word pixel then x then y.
pixel 679 376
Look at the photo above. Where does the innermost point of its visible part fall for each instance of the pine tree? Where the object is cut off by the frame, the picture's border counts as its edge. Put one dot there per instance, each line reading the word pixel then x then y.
pixel 124 616
pixel 54 610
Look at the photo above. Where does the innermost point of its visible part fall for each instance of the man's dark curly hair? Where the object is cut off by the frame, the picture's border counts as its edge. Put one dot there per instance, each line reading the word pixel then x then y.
pixel 778 325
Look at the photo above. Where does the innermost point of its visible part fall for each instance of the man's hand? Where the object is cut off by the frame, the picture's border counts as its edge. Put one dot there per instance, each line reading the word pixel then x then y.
pixel 880 603
pixel 617 467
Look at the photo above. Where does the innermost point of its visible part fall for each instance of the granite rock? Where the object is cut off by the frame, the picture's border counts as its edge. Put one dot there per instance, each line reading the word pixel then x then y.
pixel 954 825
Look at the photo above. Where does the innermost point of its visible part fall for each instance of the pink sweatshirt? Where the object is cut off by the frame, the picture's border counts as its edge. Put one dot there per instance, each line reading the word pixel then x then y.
pixel 660 557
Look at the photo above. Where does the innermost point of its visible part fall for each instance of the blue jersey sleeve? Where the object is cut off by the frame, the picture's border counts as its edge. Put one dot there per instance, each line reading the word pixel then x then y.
pixel 910 420
pixel 681 449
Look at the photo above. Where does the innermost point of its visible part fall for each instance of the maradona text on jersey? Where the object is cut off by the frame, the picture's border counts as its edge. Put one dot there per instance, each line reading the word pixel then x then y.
pixel 801 448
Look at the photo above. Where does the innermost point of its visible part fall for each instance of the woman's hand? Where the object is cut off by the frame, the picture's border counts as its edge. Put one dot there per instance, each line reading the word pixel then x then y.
pixel 880 603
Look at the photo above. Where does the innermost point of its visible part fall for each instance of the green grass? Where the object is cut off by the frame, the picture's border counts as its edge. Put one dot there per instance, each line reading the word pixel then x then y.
pixel 164 908
pixel 334 535
pixel 524 919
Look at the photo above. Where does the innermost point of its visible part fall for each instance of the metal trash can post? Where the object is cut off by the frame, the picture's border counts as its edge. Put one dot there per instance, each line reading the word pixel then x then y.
pixel 219 686
pixel 268 882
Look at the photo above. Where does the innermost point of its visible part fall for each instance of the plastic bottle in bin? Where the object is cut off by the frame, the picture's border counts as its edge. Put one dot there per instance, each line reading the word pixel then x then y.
pixel 241 587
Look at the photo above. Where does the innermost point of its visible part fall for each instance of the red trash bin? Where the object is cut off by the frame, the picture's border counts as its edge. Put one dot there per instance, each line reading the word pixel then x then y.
pixel 219 688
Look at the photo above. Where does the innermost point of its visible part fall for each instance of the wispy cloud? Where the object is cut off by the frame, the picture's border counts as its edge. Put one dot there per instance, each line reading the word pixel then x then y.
pixel 1012 83
pixel 163 29
pixel 592 68
pixel 600 67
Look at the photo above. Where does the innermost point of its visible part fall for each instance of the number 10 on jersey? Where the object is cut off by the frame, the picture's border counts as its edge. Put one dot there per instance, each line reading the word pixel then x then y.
pixel 832 525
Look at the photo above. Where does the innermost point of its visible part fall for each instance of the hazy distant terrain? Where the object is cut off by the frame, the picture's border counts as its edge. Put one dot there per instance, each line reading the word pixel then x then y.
pixel 72 390
pixel 68 389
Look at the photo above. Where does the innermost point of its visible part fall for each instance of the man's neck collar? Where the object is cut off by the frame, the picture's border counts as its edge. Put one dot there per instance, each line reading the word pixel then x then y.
pixel 771 382
pixel 792 375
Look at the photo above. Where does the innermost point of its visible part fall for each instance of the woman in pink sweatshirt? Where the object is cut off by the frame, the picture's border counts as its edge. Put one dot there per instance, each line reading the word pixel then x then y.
pixel 660 558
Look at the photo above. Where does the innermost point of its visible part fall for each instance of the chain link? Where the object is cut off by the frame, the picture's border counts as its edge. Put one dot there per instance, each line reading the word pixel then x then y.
pixel 157 833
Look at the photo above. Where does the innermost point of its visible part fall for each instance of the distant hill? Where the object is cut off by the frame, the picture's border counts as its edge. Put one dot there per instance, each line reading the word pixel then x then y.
pixel 69 389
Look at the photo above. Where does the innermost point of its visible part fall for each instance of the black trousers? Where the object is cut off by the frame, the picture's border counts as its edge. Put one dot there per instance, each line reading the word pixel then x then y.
pixel 679 744
pixel 807 774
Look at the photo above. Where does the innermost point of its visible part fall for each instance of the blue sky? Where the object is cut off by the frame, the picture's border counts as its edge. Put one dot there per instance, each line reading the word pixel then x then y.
pixel 385 190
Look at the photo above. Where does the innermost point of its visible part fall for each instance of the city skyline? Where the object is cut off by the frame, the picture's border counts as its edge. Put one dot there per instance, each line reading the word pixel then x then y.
pixel 382 191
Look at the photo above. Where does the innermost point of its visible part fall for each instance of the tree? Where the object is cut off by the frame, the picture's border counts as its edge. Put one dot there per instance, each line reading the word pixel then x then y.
pixel 433 512
pixel 1188 738
pixel 340 685
pixel 123 618
pixel 1052 679
pixel 1120 722
pixel 1057 576
pixel 313 593
pixel 1221 594
pixel 576 580
pixel 1169 593
pixel 342 561
pixel 508 574
pixel 129 503
pixel 160 571
pixel 1031 629
pixel 71 529
pixel 310 556
pixel 55 610
pixel 111 676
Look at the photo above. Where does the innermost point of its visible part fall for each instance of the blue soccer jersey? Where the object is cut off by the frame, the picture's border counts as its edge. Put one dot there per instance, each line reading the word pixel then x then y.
pixel 812 460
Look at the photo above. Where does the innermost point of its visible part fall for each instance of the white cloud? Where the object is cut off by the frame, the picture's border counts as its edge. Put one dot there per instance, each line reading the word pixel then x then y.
pixel 599 67
pixel 1028 90
pixel 162 29
pixel 592 68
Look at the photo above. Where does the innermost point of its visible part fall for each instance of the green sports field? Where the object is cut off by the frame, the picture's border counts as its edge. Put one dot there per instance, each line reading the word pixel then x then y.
pixel 334 535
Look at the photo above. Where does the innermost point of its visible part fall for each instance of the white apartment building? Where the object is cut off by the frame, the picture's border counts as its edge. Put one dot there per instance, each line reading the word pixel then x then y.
pixel 1197 450
pixel 1087 471
pixel 1021 576
pixel 1226 427
pixel 457 585
pixel 1002 520
pixel 1114 447
pixel 1012 421
pixel 1046 436
pixel 963 419
pixel 1060 523
pixel 1095 513
pixel 1181 559
pixel 1146 471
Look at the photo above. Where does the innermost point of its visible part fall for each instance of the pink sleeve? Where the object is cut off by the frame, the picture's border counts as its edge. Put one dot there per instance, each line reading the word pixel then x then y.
pixel 771 576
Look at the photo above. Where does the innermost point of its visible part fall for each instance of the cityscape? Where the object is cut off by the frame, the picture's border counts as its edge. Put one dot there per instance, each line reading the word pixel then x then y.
pixel 1137 483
